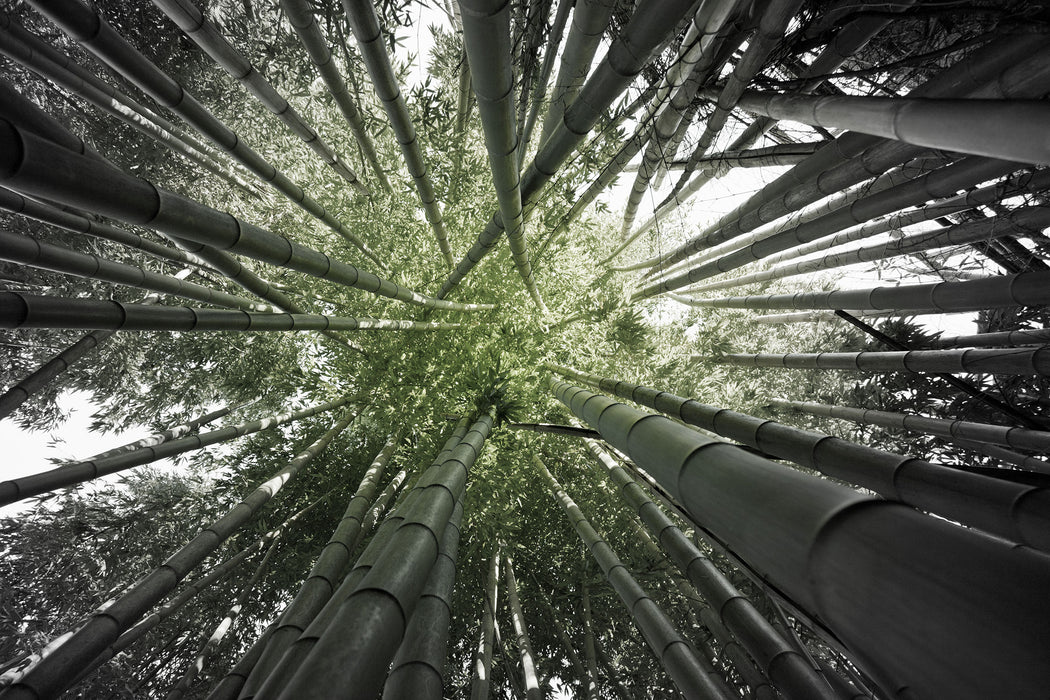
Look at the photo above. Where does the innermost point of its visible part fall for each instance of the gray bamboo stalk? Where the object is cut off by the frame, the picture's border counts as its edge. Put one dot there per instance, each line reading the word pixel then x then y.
pixel 209 38
pixel 26 49
pixel 821 543
pixel 1008 66
pixel 770 31
pixel 808 316
pixel 521 633
pixel 77 472
pixel 365 25
pixel 41 377
pixel 353 654
pixel 943 182
pixel 50 171
pixel 89 29
pixel 1036 336
pixel 19 310
pixel 33 252
pixel 482 678
pixel 172 433
pixel 416 671
pixel 229 686
pixel 769 156
pixel 964 126
pixel 486 35
pixel 1017 438
pixel 225 626
pixel 54 672
pixel 300 16
pixel 1001 291
pixel 589 649
pixel 1001 454
pixel 790 672
pixel 750 673
pixel 671 649
pixel 279 676
pixel 695 63
pixel 563 636
pixel 1005 361
pixel 629 53
pixel 1012 511
pixel 1024 221
pixel 554 429
pixel 323 578
pixel 550 53
pixel 589 21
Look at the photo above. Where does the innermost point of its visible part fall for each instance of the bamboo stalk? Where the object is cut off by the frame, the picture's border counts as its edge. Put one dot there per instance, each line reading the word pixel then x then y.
pixel 550 53
pixel 1035 336
pixel 172 433
pixel 521 634
pixel 481 681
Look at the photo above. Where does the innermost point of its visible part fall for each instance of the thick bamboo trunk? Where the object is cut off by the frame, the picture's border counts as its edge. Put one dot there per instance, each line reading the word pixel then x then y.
pixel 78 472
pixel 209 38
pixel 97 36
pixel 1012 511
pixel 365 25
pixel 791 673
pixel 54 673
pixel 486 35
pixel 34 165
pixel 671 649
pixel 863 565
pixel 482 678
pixel 521 634
pixel 324 576
pixel 300 16
pixel 363 629
pixel 628 54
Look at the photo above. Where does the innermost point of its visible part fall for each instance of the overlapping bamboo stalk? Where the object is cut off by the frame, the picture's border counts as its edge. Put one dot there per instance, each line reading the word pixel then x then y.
pixel 481 681
pixel 863 565
pixel 172 433
pixel 57 670
pixel 521 634
pixel 96 35
pixel 1035 336
pixel 365 25
pixel 550 53
pixel 1005 361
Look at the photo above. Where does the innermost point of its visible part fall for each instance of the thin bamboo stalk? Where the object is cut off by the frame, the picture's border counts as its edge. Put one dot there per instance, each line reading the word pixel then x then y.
pixel 172 433
pixel 19 310
pixel 521 634
pixel 550 53
pixel 366 627
pixel 96 35
pixel 817 316
pixel 481 681
pixel 230 685
pixel 671 649
pixel 589 648
pixel 965 126
pixel 554 429
pixel 365 25
pixel 54 672
pixel 1036 336
pixel 1007 361
pixel 486 35
pixel 36 166
pixel 863 565
pixel 77 472
pixel 323 578
pixel 1012 511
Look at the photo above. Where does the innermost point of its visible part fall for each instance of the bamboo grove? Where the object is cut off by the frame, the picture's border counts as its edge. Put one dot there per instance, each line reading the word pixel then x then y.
pixel 534 348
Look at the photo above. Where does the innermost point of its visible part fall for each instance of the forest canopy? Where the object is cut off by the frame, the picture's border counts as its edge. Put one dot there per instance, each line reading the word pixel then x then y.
pixel 527 349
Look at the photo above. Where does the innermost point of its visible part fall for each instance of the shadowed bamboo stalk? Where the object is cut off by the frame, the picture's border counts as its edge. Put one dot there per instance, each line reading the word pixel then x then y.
pixel 416 671
pixel 862 565
pixel 961 125
pixel 749 673
pixel 589 649
pixel 78 472
pixel 32 252
pixel 300 16
pixel 940 183
pixel 486 35
pixel 208 37
pixel 230 685
pixel 482 679
pixel 34 165
pixel 1012 511
pixel 1007 67
pixel 769 156
pixel 810 316
pixel 788 670
pixel 25 311
pixel 1036 336
pixel 671 649
pixel 54 672
pixel 550 53
pixel 1024 289
pixel 589 686
pixel 626 57
pixel 1001 454
pixel 365 628
pixel 323 578
pixel 172 433
pixel 521 634
pixel 1005 361
pixel 365 25
pixel 1018 438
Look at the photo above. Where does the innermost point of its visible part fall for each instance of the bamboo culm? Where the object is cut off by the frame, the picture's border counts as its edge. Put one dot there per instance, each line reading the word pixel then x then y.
pixel 482 679
pixel 521 633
